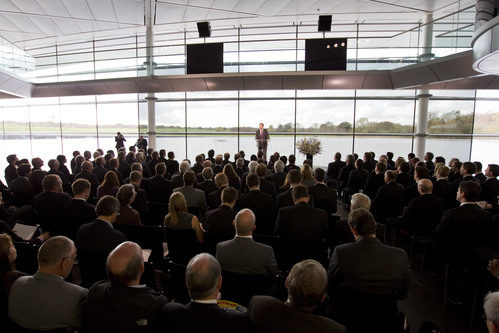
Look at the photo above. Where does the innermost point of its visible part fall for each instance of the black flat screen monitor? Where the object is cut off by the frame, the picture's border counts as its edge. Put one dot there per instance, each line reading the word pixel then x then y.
pixel 205 58
pixel 326 54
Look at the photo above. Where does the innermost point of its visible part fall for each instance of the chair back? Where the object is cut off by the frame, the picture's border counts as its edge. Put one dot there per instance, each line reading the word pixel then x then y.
pixel 147 236
pixel 27 257
pixel 181 244
pixel 239 288
pixel 92 268
pixel 157 212
pixel 291 251
pixel 174 282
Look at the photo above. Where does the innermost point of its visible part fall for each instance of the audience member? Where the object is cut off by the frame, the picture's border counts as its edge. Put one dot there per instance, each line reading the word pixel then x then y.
pixel 490 188
pixel 140 201
pixel 204 280
pixel 8 274
pixel 207 186
pixel 479 176
pixel 123 304
pixel 50 204
pixel 266 186
pixel 443 188
pixel 333 168
pixel 11 169
pixel 86 173
pixel 232 177
pixel 291 164
pixel 242 254
pixel 128 215
pixel 214 198
pixel 114 164
pixel 345 173
pixel 99 169
pixel 306 285
pixel 278 176
pixel 21 186
pixel 324 197
pixel 159 189
pixel 37 175
pixel 374 182
pixel 403 176
pixel 389 199
pixel 109 186
pixel 178 218
pixel 491 309
pixel 77 211
pixel 45 301
pixel 219 221
pixel 285 198
pixel 195 199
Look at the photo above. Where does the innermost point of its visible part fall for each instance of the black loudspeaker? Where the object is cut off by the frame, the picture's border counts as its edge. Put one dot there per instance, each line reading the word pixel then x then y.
pixel 327 54
pixel 204 29
pixel 205 58
pixel 325 22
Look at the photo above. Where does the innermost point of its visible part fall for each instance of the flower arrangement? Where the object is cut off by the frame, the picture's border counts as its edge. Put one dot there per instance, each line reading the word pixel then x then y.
pixel 309 146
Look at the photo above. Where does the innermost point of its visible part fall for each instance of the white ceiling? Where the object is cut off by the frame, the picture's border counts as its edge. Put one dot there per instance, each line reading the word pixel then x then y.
pixel 34 23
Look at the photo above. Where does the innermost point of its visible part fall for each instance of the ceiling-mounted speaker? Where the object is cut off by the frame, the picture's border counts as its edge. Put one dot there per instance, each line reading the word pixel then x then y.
pixel 325 22
pixel 204 29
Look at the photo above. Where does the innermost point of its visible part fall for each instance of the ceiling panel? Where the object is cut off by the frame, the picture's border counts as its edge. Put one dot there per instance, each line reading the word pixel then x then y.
pixel 53 7
pixel 129 11
pixel 23 22
pixel 168 13
pixel 102 10
pixel 30 6
pixel 78 9
pixel 46 25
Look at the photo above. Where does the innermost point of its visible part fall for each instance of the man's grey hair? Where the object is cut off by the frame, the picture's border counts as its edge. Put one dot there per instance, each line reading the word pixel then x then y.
pixel 239 162
pixel 140 156
pixel 54 250
pixel 307 283
pixel 184 166
pixel 360 200
pixel 252 166
pixel 202 275
pixel 279 166
pixel 491 307
pixel 207 173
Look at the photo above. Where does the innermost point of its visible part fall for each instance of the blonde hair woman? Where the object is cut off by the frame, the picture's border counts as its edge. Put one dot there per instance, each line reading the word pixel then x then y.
pixel 308 179
pixel 179 218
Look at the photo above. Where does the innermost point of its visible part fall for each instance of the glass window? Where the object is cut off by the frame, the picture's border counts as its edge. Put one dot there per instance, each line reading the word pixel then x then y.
pixel 117 117
pixel 384 116
pixel 450 116
pixel 324 116
pixel 486 117
pixel 398 145
pixel 484 149
pixel 449 146
pixel 330 145
pixel 170 117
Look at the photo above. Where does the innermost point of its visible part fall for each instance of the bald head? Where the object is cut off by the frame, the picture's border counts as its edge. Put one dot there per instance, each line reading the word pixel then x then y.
pixel 245 222
pixel 425 186
pixel 125 265
pixel 203 277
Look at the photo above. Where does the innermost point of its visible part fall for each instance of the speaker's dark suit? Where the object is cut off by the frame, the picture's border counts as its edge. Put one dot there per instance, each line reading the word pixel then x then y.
pixel 10 174
pixel 76 213
pixel 268 314
pixel 94 182
pixel 301 222
pixel 324 197
pixel 262 205
pixel 121 309
pixel 219 220
pixel 262 138
pixel 444 189
pixel 333 169
pixel 278 180
pixel 388 201
pixel 50 206
pixel 423 214
pixel 373 183
pixel 490 190
pixel 245 256
pixel 461 229
pixel 159 189
pixel 207 186
pixel 23 191
pixel 196 317
pixel 98 237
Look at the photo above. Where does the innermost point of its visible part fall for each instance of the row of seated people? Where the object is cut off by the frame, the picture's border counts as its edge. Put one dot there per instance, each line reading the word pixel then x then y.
pixel 122 303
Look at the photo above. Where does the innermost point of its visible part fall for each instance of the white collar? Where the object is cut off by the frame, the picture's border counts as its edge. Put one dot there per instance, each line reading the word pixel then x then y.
pixel 250 237
pixel 466 203
pixel 80 199
pixel 138 286
pixel 205 301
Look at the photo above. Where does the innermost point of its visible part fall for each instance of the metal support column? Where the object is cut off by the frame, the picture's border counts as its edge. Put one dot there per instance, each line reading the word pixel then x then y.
pixel 151 99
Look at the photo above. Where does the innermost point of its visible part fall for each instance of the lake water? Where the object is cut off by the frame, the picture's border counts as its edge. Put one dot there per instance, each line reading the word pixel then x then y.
pixel 484 150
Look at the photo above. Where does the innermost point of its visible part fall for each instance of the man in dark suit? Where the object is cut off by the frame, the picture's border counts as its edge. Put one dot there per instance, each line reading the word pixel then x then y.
pixel 389 199
pixel 345 172
pixel 376 180
pixel 198 166
pixel 86 173
pixel 428 158
pixel 479 176
pixel 21 186
pixel 424 212
pixel 50 204
pixel 72 163
pixel 467 170
pixel 262 138
pixel 301 221
pixel 490 188
pixel 367 267
pixel 403 176
pixel 54 170
pixel 459 231
pixel 306 285
pixel 214 198
pixel 159 188
pixel 411 191
pixel 443 188
pixel 242 254
pixel 99 237
pixel 265 185
pixel 122 303
pixel 11 169
pixel 99 170
pixel 77 211
pixel 207 185
pixel 204 280
pixel 291 164
pixel 261 204
pixel 37 175
pixel 278 177
pixel 194 198
pixel 141 143
pixel 356 180
pixel 178 178
pixel 219 220
pixel 113 166
pixel 140 202
pixel 333 169
pixel 285 198
pixel 324 197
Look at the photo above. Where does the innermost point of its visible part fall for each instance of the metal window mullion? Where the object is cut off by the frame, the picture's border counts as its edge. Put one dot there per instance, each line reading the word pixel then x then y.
pixel 472 127
pixel 354 117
